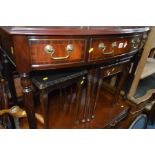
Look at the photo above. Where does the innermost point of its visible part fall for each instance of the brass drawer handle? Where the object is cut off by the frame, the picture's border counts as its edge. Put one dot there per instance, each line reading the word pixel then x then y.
pixel 113 69
pixel 102 47
pixel 135 43
pixel 108 73
pixel 49 49
pixel 113 45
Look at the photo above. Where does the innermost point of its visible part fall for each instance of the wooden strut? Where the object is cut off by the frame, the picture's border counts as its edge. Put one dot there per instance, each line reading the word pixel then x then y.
pixel 86 116
pixel 143 98
pixel 17 112
pixel 77 102
pixel 97 97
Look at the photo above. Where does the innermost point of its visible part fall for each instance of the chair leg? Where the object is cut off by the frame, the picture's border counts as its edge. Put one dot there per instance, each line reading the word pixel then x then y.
pixel 78 101
pixel 7 72
pixel 4 100
pixel 44 103
pixel 152 115
pixel 70 99
pixel 65 101
pixel 97 97
pixel 87 100
pixel 124 75
pixel 60 99
pixel 6 118
pixel 12 121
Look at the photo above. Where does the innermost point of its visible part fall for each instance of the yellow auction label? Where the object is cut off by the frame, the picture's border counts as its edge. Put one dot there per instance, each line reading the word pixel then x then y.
pixel 113 69
pixel 45 78
pixel 12 50
pixel 82 82
pixel 91 50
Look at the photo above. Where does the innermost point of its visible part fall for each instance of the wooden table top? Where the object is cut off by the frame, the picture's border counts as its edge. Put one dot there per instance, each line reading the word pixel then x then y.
pixel 72 30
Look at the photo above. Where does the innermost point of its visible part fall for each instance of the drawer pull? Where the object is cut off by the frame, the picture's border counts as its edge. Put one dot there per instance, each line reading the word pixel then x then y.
pixel 50 49
pixel 135 43
pixel 113 45
pixel 108 73
pixel 69 48
pixel 102 47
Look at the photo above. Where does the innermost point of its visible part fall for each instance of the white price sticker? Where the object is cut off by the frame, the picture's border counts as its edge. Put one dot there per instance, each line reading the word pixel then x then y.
pixel 125 44
pixel 120 45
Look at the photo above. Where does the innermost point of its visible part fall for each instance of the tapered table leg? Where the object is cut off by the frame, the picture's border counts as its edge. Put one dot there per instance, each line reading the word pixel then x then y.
pixel 78 99
pixel 28 99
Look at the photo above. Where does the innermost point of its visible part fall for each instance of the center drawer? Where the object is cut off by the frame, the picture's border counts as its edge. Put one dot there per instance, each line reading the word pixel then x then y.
pixel 55 51
pixel 105 72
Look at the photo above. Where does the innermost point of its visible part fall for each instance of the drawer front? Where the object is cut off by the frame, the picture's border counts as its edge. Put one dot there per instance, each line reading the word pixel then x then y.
pixel 55 51
pixel 102 48
pixel 111 71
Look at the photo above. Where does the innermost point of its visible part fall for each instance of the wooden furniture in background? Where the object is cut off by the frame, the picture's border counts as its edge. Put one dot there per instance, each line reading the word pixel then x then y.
pixel 145 68
pixel 7 114
pixel 47 83
pixel 149 68
pixel 138 74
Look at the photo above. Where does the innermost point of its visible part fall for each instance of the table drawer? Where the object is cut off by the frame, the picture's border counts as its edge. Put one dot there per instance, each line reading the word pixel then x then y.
pixel 112 70
pixel 101 48
pixel 55 51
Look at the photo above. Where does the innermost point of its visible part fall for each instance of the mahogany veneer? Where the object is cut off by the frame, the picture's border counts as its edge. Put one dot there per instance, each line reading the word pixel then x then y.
pixel 39 56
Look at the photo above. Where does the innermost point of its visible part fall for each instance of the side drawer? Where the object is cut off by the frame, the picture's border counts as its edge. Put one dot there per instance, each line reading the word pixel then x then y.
pixel 57 51
pixel 102 48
